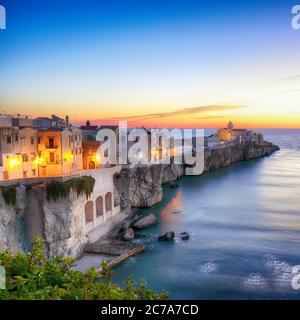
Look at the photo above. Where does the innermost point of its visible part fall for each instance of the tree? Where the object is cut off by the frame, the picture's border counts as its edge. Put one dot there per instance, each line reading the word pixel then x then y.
pixel 32 276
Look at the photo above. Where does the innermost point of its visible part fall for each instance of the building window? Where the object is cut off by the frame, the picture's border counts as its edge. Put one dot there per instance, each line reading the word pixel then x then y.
pixel 51 143
pixel 25 157
pixel 39 140
pixel 89 212
pixel 8 139
pixel 52 157
pixel 33 172
pixel 32 140
pixel 108 201
pixel 99 206
pixel 16 138
pixel 24 174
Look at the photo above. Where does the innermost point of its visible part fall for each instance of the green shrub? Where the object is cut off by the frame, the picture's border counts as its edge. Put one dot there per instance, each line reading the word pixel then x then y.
pixel 32 276
pixel 9 195
pixel 82 186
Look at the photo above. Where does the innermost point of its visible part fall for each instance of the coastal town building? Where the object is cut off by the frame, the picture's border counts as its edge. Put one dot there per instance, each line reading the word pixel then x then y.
pixel 59 151
pixel 211 141
pixel 89 131
pixel 240 136
pixel 53 122
pixel 22 121
pixel 91 160
pixel 18 152
pixel 46 147
pixel 29 152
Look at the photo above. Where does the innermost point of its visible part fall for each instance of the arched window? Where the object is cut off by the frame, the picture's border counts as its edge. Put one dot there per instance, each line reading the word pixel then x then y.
pixel 92 165
pixel 89 212
pixel 99 206
pixel 108 201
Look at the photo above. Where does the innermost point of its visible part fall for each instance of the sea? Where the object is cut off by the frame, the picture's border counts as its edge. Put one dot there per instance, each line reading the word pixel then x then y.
pixel 244 227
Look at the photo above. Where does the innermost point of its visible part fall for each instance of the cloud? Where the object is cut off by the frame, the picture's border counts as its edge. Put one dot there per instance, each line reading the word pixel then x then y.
pixel 290 90
pixel 179 112
pixel 291 78
pixel 212 117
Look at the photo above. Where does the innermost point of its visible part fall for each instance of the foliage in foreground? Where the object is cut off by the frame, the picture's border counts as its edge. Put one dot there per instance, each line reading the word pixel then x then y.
pixel 83 186
pixel 34 277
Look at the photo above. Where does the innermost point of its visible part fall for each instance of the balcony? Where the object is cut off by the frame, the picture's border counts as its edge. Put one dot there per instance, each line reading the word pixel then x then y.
pixel 51 146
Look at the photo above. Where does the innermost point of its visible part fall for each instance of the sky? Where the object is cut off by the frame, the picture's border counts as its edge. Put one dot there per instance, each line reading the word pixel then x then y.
pixel 167 63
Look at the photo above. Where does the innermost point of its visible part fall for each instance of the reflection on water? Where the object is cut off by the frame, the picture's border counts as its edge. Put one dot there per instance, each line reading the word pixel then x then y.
pixel 244 226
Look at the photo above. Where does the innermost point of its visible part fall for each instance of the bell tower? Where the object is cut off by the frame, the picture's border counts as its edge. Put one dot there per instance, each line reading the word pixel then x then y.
pixel 230 125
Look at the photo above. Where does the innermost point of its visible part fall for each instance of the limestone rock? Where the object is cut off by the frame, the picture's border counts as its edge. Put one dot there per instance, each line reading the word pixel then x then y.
pixel 168 236
pixel 173 184
pixel 141 186
pixel 128 235
pixel 130 221
pixel 146 221
pixel 184 236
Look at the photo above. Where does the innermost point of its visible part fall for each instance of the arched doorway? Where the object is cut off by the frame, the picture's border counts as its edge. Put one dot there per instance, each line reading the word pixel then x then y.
pixel 89 212
pixel 108 201
pixel 99 206
pixel 92 165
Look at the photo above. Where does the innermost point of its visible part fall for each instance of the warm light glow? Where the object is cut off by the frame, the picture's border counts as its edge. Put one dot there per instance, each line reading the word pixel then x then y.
pixel 96 158
pixel 38 162
pixel 68 156
pixel 14 163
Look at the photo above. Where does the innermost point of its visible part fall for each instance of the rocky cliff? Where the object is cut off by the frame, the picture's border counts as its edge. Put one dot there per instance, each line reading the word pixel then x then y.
pixel 141 186
pixel 12 222
pixel 227 155
pixel 59 223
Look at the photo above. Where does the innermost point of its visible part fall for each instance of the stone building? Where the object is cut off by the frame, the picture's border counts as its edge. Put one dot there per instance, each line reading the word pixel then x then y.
pixel 89 154
pixel 241 136
pixel 59 151
pixel 53 122
pixel 18 151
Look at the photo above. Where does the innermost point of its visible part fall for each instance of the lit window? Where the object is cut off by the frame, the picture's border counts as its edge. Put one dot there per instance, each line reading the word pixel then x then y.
pixel 25 157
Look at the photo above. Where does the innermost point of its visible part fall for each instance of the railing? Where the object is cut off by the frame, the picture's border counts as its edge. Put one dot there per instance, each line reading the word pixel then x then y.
pixel 51 146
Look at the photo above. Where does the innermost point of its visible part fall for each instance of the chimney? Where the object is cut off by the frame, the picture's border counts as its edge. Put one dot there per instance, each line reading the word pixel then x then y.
pixel 67 121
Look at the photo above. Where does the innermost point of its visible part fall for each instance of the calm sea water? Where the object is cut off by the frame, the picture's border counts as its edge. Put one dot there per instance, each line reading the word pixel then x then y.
pixel 244 226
